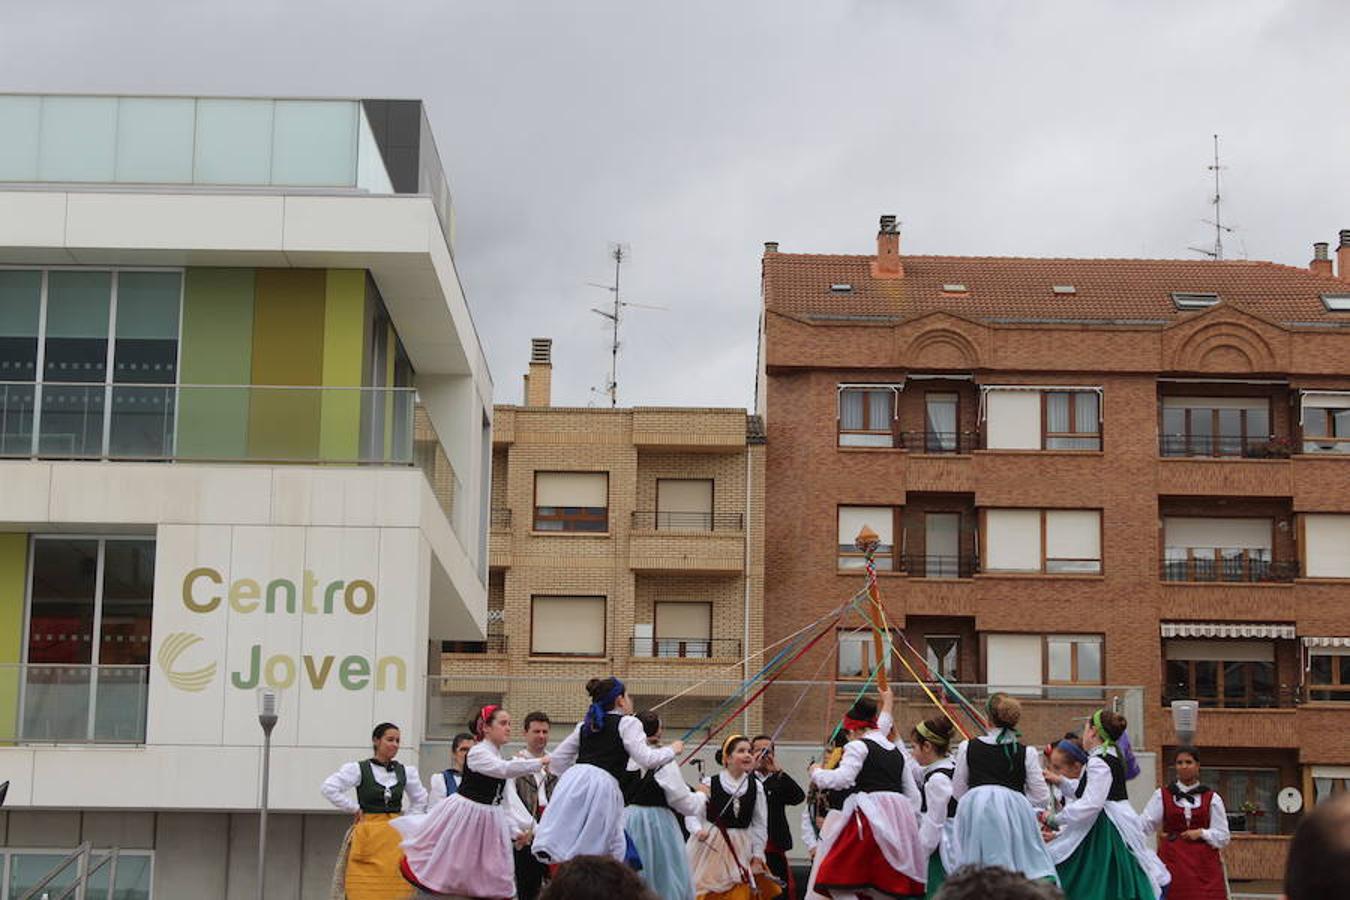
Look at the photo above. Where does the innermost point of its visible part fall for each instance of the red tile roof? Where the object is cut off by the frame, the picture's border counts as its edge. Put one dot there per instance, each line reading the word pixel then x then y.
pixel 1021 288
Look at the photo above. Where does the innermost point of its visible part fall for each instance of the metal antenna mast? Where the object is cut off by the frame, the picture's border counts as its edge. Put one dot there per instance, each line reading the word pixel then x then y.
pixel 1216 253
pixel 619 252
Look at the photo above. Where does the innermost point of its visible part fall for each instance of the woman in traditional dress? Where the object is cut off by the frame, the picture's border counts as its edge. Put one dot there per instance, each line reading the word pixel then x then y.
pixel 727 837
pixel 873 848
pixel 1193 824
pixel 446 782
pixel 937 813
pixel 1066 758
pixel 654 798
pixel 822 808
pixel 463 846
pixel 1089 846
pixel 996 780
pixel 367 866
pixel 584 817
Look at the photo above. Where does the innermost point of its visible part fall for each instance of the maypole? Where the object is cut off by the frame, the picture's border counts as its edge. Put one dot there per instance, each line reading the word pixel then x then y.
pixel 867 541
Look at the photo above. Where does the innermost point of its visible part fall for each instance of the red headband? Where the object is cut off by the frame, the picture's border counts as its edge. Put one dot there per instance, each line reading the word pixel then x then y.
pixel 852 724
pixel 485 717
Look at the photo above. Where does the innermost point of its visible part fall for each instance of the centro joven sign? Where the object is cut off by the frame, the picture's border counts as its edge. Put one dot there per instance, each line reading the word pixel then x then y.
pixel 206 592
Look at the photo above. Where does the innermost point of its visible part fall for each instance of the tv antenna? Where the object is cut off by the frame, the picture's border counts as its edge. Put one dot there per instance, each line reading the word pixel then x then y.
pixel 1220 229
pixel 620 253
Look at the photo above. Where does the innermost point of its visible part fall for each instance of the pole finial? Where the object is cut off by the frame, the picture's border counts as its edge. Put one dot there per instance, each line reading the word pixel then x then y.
pixel 867 539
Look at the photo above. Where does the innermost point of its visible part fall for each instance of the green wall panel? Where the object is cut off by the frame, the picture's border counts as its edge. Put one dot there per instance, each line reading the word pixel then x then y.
pixel 217 348
pixel 288 339
pixel 344 323
pixel 13 587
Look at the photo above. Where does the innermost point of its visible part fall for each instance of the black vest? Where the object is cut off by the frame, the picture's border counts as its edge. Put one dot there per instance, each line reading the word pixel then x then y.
pixel 480 788
pixel 835 799
pixel 951 801
pixel 989 764
pixel 1118 791
pixel 643 790
pixel 882 770
pixel 604 748
pixel 374 797
pixel 1082 784
pixel 721 809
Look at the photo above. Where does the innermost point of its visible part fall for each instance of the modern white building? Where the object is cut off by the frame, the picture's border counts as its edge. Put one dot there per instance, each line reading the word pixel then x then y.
pixel 245 439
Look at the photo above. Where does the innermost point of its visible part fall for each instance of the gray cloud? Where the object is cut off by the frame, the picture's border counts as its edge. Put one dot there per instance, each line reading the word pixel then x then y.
pixel 696 130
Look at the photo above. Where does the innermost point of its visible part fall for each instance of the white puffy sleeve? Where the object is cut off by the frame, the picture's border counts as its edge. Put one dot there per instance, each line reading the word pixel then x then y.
pixel 1151 817
pixel 516 814
pixel 1077 818
pixel 639 751
pixel 1217 834
pixel 337 788
pixel 759 820
pixel 682 800
pixel 809 837
pixel 562 757
pixel 485 759
pixel 1038 792
pixel 938 791
pixel 961 774
pixel 415 791
pixel 842 776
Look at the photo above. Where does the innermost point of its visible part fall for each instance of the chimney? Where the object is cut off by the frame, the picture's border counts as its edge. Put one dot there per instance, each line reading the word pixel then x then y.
pixel 770 247
pixel 1343 256
pixel 539 383
pixel 1321 263
pixel 887 264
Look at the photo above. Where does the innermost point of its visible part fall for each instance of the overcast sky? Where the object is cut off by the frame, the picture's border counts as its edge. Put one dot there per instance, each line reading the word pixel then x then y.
pixel 695 130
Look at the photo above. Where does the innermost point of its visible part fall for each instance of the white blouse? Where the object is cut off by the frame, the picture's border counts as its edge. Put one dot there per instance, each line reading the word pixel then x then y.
pixel 1037 791
pixel 938 791
pixel 338 788
pixel 845 775
pixel 634 741
pixel 679 797
pixel 759 816
pixel 1217 835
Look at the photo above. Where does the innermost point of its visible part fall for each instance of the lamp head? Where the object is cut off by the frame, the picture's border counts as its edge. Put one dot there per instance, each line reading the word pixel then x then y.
pixel 269 705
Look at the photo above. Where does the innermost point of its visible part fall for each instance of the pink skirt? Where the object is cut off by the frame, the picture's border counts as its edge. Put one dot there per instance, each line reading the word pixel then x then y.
pixel 460 847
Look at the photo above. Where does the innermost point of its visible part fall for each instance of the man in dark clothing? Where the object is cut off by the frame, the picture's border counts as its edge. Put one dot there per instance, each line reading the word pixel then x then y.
pixel 533 792
pixel 781 792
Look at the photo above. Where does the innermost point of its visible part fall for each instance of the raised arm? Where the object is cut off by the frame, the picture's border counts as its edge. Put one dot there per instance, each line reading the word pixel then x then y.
pixel 1085 809
pixel 639 751
pixel 846 773
pixel 337 788
pixel 682 800
pixel 786 790
pixel 415 791
pixel 563 755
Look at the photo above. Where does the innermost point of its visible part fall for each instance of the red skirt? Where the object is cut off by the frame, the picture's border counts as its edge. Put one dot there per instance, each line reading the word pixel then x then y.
pixel 1197 871
pixel 856 864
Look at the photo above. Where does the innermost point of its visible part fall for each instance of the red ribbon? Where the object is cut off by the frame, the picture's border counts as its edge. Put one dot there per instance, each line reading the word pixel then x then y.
pixel 852 724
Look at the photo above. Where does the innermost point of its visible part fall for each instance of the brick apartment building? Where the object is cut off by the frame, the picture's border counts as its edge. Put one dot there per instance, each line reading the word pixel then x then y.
pixel 1086 473
pixel 625 541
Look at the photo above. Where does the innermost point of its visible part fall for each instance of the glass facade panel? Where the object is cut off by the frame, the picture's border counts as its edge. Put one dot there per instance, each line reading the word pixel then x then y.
pixel 133 878
pixel 27 869
pixel 20 308
pixel 234 142
pixel 19 118
pixel 61 616
pixel 146 352
pixel 77 326
pixel 1089 661
pixel 154 139
pixel 1059 660
pixel 314 143
pixel 128 586
pixel 78 139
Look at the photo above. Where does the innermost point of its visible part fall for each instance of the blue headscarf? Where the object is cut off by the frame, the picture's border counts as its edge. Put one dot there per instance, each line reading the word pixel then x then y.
pixel 595 716
pixel 1075 752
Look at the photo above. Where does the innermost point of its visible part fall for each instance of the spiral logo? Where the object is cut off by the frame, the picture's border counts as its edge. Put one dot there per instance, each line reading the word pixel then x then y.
pixel 173 647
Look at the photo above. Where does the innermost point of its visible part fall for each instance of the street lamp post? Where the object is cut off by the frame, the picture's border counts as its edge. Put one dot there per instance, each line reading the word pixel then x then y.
pixel 268 701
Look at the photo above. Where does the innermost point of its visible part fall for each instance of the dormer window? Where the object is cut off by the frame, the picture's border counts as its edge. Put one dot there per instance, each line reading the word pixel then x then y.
pixel 1064 289
pixel 953 288
pixel 1336 302
pixel 1194 300
pixel 841 288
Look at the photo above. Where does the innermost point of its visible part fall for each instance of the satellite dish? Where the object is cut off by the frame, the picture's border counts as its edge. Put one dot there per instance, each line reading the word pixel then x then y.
pixel 1290 800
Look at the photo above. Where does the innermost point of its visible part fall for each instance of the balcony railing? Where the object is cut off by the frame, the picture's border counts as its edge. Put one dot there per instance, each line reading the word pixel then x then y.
pixel 940 441
pixel 937 566
pixel 73 704
pixel 1240 567
pixel 665 520
pixel 685 648
pixel 1274 696
pixel 1249 447
pixel 1326 446
pixel 207 423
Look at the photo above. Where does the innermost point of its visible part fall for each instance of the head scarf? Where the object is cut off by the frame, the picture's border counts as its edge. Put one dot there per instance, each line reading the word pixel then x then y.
pixel 1122 745
pixel 852 724
pixel 484 719
pixel 595 716
pixel 1075 752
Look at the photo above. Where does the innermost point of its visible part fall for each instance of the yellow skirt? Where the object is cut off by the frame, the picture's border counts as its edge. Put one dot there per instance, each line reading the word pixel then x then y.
pixel 768 889
pixel 368 863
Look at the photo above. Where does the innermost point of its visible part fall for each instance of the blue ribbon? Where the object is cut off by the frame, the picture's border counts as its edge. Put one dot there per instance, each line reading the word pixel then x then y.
pixel 595 716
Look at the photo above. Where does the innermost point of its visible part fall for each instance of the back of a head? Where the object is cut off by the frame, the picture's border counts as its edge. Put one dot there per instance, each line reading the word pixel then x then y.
pixel 596 878
pixel 1318 867
pixel 995 883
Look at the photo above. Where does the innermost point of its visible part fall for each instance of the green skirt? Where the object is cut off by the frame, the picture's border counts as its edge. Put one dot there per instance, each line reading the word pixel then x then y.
pixel 1103 868
pixel 937 873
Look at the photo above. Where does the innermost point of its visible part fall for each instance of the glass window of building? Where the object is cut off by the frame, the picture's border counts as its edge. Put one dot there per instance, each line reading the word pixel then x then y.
pixel 20 310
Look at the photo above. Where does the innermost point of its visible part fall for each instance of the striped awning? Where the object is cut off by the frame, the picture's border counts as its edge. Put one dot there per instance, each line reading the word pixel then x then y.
pixel 1227 630
pixel 1326 642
